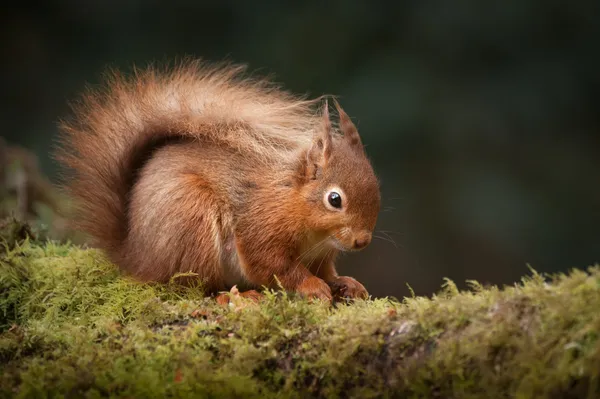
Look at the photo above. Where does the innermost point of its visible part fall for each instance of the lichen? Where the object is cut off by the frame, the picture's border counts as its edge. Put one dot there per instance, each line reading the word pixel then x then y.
pixel 72 326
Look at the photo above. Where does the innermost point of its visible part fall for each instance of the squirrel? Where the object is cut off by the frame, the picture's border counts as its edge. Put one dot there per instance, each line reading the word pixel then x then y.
pixel 200 168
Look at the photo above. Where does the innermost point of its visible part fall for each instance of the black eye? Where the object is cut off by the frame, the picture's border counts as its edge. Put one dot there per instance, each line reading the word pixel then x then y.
pixel 335 200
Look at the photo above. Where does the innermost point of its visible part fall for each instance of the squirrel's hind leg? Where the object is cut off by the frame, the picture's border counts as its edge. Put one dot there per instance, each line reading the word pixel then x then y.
pixel 175 226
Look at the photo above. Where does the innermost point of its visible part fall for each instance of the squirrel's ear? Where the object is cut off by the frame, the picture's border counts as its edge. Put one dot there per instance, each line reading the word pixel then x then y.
pixel 319 153
pixel 347 127
pixel 321 148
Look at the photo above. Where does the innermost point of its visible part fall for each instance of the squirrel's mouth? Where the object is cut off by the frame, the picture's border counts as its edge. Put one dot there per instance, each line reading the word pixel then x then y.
pixel 337 244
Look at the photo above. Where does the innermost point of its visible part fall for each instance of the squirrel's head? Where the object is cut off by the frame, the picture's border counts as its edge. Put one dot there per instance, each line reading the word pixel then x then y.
pixel 340 186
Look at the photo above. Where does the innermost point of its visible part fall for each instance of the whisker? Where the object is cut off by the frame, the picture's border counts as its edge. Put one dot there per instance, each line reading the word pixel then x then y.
pixel 390 232
pixel 322 259
pixel 300 257
pixel 311 249
pixel 385 233
pixel 387 240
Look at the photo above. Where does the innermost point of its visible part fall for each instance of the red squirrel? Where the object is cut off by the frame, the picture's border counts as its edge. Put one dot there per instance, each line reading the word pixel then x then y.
pixel 199 168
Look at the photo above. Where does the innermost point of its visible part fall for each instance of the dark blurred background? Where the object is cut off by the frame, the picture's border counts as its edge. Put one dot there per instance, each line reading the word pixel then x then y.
pixel 481 118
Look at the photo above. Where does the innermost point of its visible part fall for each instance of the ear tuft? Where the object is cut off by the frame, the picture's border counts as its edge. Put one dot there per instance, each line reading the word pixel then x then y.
pixel 321 150
pixel 347 127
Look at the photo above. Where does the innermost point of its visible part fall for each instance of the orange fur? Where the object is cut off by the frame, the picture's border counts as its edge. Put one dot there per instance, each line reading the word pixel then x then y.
pixel 200 169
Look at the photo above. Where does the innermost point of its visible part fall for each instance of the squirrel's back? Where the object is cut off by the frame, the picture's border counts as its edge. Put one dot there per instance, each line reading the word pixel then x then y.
pixel 116 128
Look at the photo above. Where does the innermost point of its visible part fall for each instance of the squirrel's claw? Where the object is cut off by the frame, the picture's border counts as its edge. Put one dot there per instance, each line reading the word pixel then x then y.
pixel 315 288
pixel 348 287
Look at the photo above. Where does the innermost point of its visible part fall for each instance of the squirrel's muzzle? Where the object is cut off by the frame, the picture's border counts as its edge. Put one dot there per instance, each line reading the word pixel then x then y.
pixel 361 240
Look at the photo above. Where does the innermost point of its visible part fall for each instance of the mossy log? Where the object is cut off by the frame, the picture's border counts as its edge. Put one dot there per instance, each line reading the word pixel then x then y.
pixel 72 326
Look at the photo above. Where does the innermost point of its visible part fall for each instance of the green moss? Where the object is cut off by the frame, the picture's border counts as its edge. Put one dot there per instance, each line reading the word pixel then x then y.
pixel 72 326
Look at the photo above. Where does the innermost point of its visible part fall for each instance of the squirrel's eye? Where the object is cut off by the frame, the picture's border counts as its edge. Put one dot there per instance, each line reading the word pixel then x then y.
pixel 335 200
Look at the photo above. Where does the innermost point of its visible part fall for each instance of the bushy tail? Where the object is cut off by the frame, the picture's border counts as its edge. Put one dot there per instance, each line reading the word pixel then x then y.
pixel 114 129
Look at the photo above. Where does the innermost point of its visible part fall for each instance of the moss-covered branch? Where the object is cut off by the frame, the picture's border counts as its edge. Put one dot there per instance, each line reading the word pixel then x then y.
pixel 71 325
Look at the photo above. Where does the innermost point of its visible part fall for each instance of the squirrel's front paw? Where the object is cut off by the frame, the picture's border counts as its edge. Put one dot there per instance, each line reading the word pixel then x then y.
pixel 314 287
pixel 348 287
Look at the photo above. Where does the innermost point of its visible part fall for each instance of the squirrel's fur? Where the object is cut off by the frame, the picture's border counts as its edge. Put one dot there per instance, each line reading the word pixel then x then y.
pixel 201 169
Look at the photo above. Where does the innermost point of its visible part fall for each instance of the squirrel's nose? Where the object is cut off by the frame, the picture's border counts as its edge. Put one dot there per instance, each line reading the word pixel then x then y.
pixel 362 241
